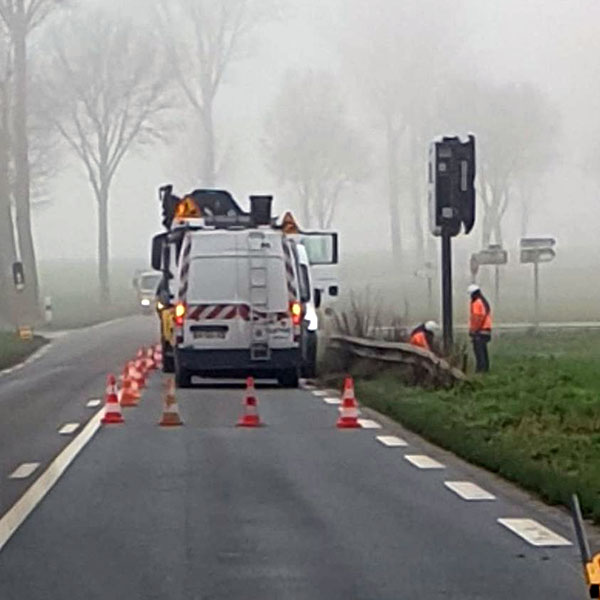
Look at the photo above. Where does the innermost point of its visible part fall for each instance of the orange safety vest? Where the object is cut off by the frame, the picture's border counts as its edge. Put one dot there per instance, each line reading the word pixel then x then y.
pixel 481 317
pixel 419 339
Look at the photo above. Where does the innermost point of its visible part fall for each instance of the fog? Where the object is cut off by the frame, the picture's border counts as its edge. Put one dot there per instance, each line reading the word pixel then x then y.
pixel 548 48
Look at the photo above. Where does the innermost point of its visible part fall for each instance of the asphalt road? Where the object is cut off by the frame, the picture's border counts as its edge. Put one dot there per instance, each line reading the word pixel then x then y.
pixel 294 510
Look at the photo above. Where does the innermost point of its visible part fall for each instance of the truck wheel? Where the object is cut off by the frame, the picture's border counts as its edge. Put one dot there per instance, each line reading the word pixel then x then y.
pixel 183 378
pixel 289 378
pixel 168 360
pixel 309 368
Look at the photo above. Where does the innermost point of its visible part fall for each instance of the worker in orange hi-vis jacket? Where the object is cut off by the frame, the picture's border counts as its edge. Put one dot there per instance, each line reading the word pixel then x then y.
pixel 480 327
pixel 423 336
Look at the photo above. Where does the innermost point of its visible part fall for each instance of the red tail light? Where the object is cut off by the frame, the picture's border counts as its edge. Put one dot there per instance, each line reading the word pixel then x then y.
pixel 296 312
pixel 179 313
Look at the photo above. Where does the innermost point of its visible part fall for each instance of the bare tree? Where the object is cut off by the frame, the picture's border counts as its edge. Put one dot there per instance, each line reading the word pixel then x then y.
pixel 400 61
pixel 110 94
pixel 516 132
pixel 204 38
pixel 20 18
pixel 311 145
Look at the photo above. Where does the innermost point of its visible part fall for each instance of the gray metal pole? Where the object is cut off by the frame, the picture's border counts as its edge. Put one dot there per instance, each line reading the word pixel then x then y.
pixel 447 290
pixel 536 294
pixel 497 287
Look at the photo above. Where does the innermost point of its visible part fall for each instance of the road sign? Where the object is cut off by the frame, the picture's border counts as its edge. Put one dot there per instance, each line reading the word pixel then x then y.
pixel 18 276
pixel 492 255
pixel 537 255
pixel 535 251
pixel 546 242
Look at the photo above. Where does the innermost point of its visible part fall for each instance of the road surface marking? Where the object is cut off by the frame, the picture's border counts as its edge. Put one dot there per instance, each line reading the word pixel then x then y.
pixel 14 517
pixel 68 428
pixel 391 441
pixel 534 533
pixel 423 461
pixel 35 356
pixel 369 424
pixel 319 393
pixel 332 401
pixel 93 403
pixel 23 471
pixel 468 491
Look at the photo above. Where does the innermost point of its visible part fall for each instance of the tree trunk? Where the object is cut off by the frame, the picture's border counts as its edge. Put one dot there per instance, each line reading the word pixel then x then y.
pixel 418 199
pixel 394 191
pixel 21 160
pixel 103 274
pixel 208 158
pixel 7 239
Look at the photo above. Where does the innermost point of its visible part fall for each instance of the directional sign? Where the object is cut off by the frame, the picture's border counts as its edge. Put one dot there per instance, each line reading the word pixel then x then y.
pixel 547 242
pixel 18 275
pixel 492 255
pixel 533 255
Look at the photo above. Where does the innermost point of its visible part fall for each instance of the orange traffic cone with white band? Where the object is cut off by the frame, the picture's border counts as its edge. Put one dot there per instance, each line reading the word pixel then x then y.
pixel 158 357
pixel 150 364
pixel 137 374
pixel 250 416
pixel 129 396
pixel 112 410
pixel 170 416
pixel 348 418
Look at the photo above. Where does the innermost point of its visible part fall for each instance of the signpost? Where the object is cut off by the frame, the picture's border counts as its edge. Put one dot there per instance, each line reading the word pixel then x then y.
pixel 451 208
pixel 535 251
pixel 494 255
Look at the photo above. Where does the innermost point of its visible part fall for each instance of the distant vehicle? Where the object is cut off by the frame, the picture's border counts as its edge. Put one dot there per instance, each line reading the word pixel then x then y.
pixel 146 284
pixel 216 255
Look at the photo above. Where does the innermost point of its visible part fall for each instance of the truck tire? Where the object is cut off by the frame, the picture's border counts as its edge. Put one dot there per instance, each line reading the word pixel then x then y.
pixel 289 378
pixel 183 377
pixel 168 360
pixel 309 368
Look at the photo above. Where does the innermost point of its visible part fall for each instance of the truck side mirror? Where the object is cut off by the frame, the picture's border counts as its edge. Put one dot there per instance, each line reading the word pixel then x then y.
pixel 157 251
pixel 318 298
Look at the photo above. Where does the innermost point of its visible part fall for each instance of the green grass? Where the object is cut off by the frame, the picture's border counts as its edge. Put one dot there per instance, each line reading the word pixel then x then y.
pixel 13 350
pixel 535 419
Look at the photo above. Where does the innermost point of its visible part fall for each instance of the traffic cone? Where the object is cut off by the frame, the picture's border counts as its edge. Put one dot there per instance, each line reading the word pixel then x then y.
pixel 129 396
pixel 138 373
pixel 170 416
pixel 250 416
pixel 150 364
pixel 158 357
pixel 112 410
pixel 133 379
pixel 348 418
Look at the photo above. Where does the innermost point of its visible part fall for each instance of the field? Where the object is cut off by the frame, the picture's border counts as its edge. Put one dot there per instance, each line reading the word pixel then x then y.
pixel 535 419
pixel 13 350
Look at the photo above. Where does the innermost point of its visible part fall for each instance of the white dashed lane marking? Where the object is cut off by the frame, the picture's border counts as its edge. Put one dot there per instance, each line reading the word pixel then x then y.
pixel 369 424
pixel 68 428
pixel 23 471
pixel 93 403
pixel 422 461
pixel 332 400
pixel 534 533
pixel 391 441
pixel 14 517
pixel 468 491
pixel 319 393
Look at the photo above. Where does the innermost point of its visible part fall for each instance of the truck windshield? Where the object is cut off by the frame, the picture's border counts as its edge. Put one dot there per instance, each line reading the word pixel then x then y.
pixel 150 282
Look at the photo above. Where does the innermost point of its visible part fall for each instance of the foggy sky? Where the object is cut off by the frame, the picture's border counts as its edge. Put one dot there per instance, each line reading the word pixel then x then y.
pixel 551 43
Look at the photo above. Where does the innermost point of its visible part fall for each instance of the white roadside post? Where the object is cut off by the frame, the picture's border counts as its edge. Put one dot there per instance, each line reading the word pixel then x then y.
pixel 48 309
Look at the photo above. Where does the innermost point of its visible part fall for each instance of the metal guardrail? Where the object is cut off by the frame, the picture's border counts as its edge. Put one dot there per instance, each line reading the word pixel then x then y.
pixel 397 352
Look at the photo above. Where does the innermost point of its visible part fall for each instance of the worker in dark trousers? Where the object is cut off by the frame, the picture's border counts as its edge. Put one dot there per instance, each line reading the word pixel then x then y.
pixel 423 336
pixel 480 328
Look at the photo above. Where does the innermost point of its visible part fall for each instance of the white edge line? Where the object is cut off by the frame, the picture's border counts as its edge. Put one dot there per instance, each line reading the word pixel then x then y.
pixel 23 507
pixel 33 357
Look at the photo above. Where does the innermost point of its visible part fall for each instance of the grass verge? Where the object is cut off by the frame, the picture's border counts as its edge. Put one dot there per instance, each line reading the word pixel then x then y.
pixel 14 350
pixel 534 420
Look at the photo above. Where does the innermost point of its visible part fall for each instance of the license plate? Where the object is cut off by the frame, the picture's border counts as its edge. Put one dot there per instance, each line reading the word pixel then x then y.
pixel 210 333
